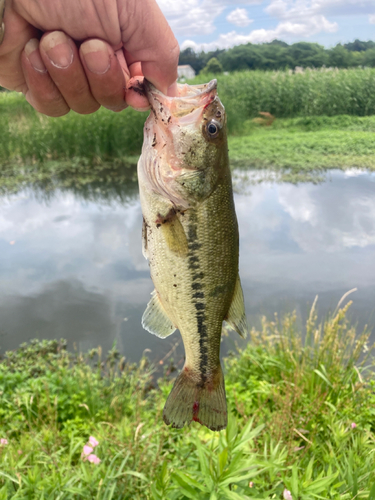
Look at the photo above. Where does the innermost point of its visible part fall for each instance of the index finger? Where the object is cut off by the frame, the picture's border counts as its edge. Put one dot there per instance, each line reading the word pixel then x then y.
pixel 148 39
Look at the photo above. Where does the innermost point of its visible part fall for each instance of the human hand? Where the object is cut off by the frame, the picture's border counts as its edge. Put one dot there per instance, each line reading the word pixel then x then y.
pixel 122 41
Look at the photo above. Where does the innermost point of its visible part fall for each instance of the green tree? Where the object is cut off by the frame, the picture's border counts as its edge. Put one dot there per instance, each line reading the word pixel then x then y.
pixel 196 61
pixel 243 57
pixel 213 66
pixel 308 55
pixel 369 58
pixel 339 57
pixel 358 46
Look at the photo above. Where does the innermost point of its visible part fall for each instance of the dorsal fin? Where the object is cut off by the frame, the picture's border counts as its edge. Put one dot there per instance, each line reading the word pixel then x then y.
pixel 236 316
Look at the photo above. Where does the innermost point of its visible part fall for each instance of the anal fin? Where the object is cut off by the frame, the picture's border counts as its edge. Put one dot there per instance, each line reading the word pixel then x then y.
pixel 155 320
pixel 236 316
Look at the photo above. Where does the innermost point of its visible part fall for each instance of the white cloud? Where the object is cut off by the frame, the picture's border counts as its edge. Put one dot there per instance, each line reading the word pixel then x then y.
pixel 318 223
pixel 284 30
pixel 297 19
pixel 197 17
pixel 372 19
pixel 239 17
pixel 191 17
pixel 293 9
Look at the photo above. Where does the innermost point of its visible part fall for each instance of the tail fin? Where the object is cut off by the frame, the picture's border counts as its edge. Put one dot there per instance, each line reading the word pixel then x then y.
pixel 194 399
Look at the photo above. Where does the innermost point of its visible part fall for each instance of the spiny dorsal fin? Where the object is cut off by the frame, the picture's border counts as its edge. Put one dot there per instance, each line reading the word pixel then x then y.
pixel 236 316
pixel 155 319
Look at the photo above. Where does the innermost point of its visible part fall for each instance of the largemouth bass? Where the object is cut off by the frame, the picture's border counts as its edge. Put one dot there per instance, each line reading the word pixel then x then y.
pixel 190 238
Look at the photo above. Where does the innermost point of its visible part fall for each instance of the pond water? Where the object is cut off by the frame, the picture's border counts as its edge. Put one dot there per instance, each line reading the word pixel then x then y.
pixel 71 263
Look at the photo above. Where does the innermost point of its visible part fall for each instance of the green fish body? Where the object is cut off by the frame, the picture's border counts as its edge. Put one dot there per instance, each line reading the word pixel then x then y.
pixel 190 238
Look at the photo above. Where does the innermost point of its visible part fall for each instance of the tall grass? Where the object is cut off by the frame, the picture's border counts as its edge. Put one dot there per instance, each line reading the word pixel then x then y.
pixel 301 418
pixel 28 136
pixel 286 94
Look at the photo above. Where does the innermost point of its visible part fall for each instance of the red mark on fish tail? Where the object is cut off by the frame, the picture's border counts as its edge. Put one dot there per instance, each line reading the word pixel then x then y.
pixel 195 411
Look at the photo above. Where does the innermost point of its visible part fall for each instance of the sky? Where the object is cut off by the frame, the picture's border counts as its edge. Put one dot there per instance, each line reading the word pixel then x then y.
pixel 210 24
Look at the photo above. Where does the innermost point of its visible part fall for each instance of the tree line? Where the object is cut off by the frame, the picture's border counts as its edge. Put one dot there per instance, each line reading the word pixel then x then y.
pixel 278 55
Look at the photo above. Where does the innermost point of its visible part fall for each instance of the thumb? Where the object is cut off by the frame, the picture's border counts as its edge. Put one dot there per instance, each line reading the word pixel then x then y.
pixel 148 39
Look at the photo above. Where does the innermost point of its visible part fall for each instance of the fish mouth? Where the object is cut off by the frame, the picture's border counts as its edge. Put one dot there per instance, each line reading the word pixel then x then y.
pixel 189 99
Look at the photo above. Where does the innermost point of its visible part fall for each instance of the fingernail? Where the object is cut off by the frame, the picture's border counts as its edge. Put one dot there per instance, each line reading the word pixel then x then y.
pixel 95 53
pixel 173 90
pixel 33 55
pixel 58 50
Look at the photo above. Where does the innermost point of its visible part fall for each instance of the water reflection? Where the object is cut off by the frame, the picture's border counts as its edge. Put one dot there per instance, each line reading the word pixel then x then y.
pixel 71 263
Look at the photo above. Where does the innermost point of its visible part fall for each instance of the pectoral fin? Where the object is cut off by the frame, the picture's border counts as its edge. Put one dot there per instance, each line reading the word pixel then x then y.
pixel 174 233
pixel 155 319
pixel 236 316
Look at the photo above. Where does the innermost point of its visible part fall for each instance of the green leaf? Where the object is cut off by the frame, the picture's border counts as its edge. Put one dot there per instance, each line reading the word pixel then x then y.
pixel 154 492
pixel 164 472
pixel 188 479
pixel 308 472
pixel 294 482
pixel 204 463
pixel 222 460
pixel 236 479
pixel 321 484
pixel 187 490
pixel 323 377
pixel 9 477
pixel 248 434
pixel 232 429
pixel 372 493
pixel 136 474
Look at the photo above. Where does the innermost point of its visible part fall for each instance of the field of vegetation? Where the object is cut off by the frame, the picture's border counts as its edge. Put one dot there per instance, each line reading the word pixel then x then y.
pixel 320 119
pixel 301 422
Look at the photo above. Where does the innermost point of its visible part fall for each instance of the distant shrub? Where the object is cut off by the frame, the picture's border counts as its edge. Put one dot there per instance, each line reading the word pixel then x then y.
pixel 213 66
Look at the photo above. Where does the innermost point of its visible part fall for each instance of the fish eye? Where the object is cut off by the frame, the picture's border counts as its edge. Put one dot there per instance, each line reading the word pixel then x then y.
pixel 213 129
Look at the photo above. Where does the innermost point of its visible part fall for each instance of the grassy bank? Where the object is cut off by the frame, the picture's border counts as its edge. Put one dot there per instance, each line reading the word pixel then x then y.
pixel 301 418
pixel 285 94
pixel 28 137
pixel 81 151
pixel 301 147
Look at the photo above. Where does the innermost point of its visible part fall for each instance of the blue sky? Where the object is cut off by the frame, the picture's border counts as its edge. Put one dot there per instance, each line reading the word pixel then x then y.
pixel 210 24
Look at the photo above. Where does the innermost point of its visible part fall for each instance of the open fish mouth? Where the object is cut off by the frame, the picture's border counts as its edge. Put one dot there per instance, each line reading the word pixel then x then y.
pixel 189 99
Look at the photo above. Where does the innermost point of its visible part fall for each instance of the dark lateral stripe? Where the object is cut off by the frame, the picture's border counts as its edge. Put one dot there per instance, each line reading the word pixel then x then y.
pixel 200 305
pixel 192 232
pixel 198 276
pixel 194 246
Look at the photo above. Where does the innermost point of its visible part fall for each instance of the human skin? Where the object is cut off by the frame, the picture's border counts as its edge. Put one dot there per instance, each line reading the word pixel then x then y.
pixel 83 54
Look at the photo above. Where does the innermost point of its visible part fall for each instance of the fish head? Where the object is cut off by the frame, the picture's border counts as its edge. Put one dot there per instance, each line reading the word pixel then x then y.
pixel 186 138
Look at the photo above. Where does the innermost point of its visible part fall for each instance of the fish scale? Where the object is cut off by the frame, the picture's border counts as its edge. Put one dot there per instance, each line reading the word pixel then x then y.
pixel 190 238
